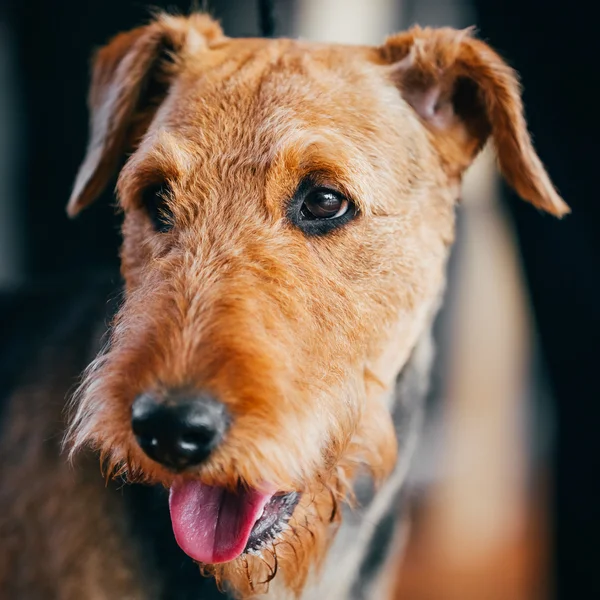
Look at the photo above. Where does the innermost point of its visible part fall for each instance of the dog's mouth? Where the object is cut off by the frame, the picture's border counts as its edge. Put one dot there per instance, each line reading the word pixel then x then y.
pixel 214 525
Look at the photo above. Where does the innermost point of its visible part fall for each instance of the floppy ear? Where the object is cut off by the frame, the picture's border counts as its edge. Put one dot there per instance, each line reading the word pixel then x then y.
pixel 131 76
pixel 464 92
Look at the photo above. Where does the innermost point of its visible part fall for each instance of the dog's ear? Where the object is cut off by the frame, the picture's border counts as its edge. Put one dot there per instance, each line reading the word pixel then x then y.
pixel 131 76
pixel 464 92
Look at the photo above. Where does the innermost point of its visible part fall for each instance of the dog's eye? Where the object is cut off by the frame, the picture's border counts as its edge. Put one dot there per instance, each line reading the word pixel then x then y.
pixel 154 200
pixel 324 204
pixel 317 210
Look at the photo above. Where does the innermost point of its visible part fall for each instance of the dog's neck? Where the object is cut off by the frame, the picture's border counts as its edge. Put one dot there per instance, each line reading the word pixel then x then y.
pixel 372 535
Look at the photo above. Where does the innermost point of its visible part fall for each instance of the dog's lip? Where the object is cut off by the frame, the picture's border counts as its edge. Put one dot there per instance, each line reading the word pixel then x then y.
pixel 274 517
pixel 213 524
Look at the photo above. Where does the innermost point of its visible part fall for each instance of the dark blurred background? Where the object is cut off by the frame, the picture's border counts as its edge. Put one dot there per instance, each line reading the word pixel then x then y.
pixel 507 500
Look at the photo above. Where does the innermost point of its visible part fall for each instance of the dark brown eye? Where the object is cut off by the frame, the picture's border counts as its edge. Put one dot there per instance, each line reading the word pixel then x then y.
pixel 155 202
pixel 317 210
pixel 322 203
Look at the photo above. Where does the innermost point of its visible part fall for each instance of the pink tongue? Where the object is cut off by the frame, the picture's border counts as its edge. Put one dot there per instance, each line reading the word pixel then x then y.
pixel 211 524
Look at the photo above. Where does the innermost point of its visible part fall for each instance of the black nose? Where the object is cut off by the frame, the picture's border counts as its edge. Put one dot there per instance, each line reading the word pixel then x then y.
pixel 179 431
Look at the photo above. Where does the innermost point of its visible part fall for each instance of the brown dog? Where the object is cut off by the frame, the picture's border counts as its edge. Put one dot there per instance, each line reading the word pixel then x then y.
pixel 289 208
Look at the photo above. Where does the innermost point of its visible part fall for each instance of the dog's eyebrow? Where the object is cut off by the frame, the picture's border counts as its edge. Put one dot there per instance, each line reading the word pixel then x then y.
pixel 330 155
pixel 164 155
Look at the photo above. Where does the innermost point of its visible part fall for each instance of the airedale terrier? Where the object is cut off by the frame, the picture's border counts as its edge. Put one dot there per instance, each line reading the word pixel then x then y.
pixel 288 212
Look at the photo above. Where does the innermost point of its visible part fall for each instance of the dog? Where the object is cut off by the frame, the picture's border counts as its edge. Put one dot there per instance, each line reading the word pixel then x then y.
pixel 288 213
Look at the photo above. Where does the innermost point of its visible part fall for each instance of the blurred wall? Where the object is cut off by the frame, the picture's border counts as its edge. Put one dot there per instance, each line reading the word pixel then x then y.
pixel 11 234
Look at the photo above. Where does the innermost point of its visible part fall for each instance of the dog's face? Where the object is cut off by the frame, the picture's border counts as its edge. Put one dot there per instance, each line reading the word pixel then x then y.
pixel 288 212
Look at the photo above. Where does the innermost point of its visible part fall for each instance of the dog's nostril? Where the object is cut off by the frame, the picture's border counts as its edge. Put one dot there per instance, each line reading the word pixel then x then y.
pixel 180 431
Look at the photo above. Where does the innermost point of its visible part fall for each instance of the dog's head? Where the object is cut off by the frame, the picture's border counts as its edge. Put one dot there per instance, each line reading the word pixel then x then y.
pixel 288 209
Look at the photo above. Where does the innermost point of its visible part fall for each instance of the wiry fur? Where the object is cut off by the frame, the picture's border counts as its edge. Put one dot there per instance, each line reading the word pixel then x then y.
pixel 301 337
